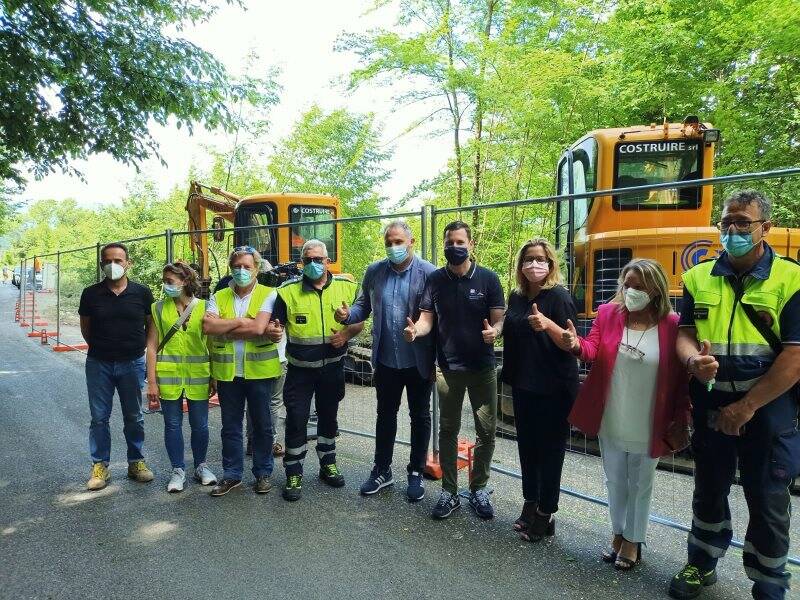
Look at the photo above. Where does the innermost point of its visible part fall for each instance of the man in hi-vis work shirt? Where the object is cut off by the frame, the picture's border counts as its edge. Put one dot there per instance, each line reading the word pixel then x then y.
pixel 316 345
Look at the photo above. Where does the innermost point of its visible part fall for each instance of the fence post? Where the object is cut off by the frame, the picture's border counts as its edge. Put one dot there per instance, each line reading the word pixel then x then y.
pixel 168 241
pixel 33 295
pixel 23 289
pixel 20 306
pixel 435 402
pixel 423 226
pixel 97 271
pixel 58 298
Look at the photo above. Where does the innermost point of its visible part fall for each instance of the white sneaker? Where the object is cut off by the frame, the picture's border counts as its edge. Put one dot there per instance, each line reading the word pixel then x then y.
pixel 204 475
pixel 177 481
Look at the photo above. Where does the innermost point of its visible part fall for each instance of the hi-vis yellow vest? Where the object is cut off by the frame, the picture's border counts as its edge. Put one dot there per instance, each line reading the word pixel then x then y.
pixel 310 323
pixel 182 365
pixel 260 354
pixel 743 354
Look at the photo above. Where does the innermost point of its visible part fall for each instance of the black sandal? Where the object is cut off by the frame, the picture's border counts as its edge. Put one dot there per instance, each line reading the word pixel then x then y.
pixel 626 564
pixel 525 519
pixel 542 525
pixel 609 555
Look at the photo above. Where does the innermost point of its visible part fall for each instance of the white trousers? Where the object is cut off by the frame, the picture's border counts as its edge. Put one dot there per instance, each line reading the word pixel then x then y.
pixel 629 479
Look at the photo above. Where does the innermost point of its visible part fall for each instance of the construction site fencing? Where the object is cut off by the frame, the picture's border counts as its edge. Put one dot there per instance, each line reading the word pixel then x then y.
pixel 499 230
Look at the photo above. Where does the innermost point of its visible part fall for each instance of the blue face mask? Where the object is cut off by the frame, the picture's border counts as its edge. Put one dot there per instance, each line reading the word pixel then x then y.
pixel 737 244
pixel 313 270
pixel 397 254
pixel 173 291
pixel 242 277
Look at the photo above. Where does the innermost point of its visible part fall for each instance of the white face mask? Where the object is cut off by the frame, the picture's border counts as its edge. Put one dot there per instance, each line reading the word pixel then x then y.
pixel 636 299
pixel 113 271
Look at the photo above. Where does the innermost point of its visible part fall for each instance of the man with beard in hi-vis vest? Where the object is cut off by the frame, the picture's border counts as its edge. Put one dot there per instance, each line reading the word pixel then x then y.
pixel 315 349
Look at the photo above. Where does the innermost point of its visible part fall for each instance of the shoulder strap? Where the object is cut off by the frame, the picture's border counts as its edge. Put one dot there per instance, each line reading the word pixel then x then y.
pixel 764 329
pixel 187 312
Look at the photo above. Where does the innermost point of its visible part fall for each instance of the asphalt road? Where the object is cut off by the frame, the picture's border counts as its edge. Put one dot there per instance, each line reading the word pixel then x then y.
pixel 136 541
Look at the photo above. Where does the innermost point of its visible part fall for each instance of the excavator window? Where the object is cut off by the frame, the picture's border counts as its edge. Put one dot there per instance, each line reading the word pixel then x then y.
pixel 304 220
pixel 262 240
pixel 645 163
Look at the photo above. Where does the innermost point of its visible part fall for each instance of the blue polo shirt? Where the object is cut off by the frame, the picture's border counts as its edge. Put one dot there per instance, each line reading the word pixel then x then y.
pixel 461 304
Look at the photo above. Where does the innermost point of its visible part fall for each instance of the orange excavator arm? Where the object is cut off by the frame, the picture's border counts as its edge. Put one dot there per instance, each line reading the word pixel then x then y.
pixel 222 203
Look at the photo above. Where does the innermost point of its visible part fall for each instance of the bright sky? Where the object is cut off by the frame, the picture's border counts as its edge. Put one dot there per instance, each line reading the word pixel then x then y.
pixel 298 37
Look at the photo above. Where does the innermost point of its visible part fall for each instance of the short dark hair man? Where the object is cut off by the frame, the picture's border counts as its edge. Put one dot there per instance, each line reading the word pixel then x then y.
pixel 115 316
pixel 740 340
pixel 466 304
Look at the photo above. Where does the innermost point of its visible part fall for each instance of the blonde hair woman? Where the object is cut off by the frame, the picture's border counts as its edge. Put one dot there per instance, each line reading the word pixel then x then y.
pixel 634 398
pixel 543 379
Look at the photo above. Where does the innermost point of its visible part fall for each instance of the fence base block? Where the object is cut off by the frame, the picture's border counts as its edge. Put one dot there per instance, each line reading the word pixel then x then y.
pixel 65 348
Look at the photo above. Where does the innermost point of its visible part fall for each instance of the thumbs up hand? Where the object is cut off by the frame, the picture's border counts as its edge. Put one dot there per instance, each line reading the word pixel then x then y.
pixel 703 365
pixel 569 338
pixel 274 331
pixel 537 320
pixel 410 332
pixel 489 333
pixel 339 338
pixel 342 313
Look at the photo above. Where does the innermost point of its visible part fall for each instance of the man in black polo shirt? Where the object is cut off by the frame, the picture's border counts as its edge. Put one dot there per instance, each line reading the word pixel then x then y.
pixel 115 317
pixel 466 303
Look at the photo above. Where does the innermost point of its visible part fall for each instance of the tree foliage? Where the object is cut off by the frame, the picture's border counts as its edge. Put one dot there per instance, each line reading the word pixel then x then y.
pixel 81 77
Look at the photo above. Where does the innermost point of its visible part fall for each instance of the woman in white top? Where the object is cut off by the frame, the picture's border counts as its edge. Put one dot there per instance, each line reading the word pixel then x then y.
pixel 634 398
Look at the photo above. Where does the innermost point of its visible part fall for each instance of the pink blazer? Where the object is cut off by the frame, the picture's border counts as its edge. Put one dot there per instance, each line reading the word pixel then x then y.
pixel 600 348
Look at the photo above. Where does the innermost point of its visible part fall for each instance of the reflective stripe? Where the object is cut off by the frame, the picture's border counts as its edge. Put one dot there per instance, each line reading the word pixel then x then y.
pixel 261 355
pixel 324 453
pixel 721 349
pixel 287 463
pixel 296 451
pixel 169 380
pixel 712 551
pixel 314 363
pixel 715 527
pixel 196 359
pixel 173 358
pixel 222 358
pixel 757 575
pixel 738 386
pixel 767 561
pixel 311 341
pixel 196 380
pixel 324 440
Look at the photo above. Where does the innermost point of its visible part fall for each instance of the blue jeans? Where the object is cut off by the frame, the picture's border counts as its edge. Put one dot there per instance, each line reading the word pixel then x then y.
pixel 233 395
pixel 173 430
pixel 102 378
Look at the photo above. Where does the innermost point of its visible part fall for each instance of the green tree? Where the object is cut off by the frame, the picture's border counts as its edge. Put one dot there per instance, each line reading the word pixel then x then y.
pixel 81 77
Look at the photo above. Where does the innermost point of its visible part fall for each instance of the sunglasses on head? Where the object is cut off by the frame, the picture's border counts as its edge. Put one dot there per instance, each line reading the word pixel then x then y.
pixel 244 249
pixel 317 259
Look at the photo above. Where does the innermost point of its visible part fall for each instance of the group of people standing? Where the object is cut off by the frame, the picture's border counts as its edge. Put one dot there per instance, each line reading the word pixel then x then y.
pixel 654 378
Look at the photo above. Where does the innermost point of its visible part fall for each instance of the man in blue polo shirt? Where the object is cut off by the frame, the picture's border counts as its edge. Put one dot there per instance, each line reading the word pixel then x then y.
pixel 465 302
pixel 740 340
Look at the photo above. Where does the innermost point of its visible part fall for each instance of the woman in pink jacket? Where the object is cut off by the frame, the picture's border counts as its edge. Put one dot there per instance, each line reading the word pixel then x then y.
pixel 634 399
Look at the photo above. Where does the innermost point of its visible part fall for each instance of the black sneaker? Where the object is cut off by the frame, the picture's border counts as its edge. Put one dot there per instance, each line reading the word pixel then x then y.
pixel 690 581
pixel 293 489
pixel 479 501
pixel 262 485
pixel 416 488
pixel 446 505
pixel 377 481
pixel 330 474
pixel 225 486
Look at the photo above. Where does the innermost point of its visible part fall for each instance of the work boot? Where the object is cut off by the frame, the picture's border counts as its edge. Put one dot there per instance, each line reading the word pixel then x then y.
pixel 139 471
pixel 293 489
pixel 99 478
pixel 330 474
pixel 690 581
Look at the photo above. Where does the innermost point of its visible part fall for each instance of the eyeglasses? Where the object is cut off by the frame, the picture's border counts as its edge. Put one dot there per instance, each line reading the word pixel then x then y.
pixel 739 224
pixel 531 259
pixel 320 260
pixel 632 350
pixel 244 249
